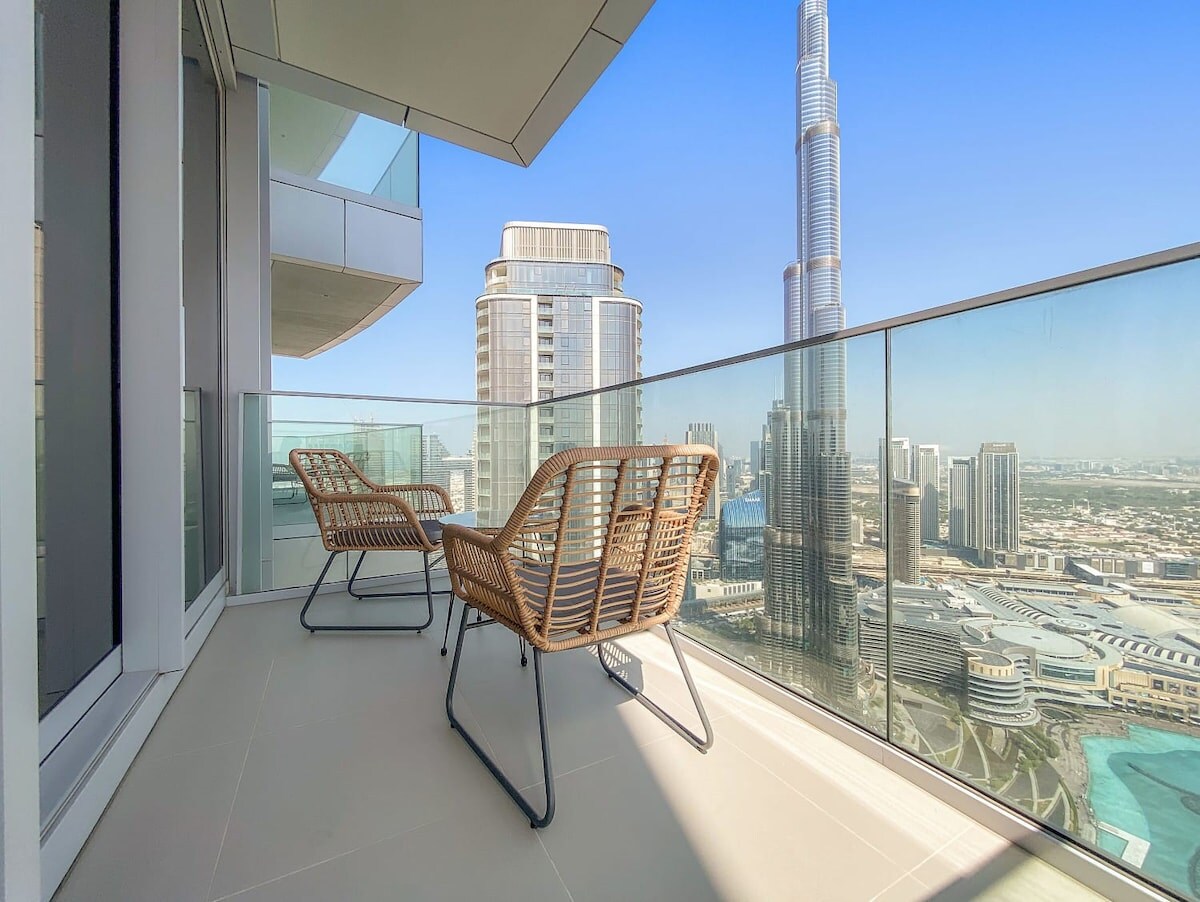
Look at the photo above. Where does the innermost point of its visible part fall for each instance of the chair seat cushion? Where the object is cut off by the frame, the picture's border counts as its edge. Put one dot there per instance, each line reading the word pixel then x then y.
pixel 392 534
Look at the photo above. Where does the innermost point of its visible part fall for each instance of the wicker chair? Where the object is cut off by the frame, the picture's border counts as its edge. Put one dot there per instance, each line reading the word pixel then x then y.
pixel 596 548
pixel 356 514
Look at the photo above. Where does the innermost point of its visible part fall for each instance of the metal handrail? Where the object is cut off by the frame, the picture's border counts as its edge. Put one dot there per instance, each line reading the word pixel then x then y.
pixel 1126 267
pixel 1022 292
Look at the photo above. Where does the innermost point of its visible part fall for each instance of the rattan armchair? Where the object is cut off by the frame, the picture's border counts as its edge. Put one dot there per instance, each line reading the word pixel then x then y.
pixel 597 548
pixel 356 514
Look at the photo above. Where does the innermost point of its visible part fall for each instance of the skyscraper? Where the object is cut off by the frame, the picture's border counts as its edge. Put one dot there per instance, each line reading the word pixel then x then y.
pixel 809 627
pixel 904 535
pixel 963 501
pixel 453 472
pixel 552 321
pixel 925 470
pixel 999 498
pixel 895 462
pixel 740 538
pixel 706 434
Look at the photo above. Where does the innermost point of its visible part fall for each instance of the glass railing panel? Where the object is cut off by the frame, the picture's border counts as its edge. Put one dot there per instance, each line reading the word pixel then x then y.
pixel 1045 540
pixel 392 442
pixel 790 539
pixel 193 498
pixel 338 146
pixel 400 182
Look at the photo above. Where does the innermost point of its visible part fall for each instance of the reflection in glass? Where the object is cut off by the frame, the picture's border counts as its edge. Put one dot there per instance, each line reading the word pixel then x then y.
pixel 778 565
pixel 1047 645
pixel 201 309
pixel 74 313
pixel 323 141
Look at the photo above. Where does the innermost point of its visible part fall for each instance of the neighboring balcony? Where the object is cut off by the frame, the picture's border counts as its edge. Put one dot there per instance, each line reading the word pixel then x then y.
pixel 340 258
pixel 339 261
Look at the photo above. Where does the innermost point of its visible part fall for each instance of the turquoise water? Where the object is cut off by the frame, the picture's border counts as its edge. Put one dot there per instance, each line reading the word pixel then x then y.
pixel 1149 785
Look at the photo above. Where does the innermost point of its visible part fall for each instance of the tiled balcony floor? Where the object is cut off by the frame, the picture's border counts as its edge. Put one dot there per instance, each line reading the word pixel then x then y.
pixel 297 767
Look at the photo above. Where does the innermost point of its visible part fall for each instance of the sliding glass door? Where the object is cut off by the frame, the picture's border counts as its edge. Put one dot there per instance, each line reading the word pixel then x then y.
pixel 75 301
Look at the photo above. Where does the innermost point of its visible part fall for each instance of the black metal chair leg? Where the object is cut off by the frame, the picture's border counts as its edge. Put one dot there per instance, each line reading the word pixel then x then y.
pixel 535 820
pixel 702 745
pixel 313 593
pixel 449 615
pixel 370 628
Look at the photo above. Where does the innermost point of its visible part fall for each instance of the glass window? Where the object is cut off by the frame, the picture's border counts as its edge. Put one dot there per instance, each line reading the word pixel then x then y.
pixel 75 344
pixel 201 309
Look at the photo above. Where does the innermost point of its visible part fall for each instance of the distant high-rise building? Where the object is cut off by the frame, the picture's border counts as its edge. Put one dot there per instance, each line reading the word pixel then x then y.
pixel 904 536
pixel 998 491
pixel 740 538
pixel 552 321
pixel 706 434
pixel 453 472
pixel 925 471
pixel 895 462
pixel 961 475
pixel 756 465
pixel 809 627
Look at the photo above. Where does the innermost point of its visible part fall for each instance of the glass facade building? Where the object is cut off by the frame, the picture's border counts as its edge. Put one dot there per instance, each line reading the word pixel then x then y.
pixel 553 321
pixel 740 537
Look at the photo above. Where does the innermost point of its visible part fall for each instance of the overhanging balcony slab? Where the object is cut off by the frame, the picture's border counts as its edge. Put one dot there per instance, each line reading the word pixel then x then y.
pixel 434 66
pixel 340 260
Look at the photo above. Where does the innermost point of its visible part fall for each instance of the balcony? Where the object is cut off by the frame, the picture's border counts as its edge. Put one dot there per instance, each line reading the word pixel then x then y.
pixel 953 735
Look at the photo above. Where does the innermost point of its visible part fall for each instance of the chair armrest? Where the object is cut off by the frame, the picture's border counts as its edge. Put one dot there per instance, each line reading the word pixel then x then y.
pixel 475 559
pixel 423 497
pixel 355 509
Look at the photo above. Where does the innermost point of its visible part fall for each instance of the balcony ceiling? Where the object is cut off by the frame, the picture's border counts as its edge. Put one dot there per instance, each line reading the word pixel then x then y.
pixel 496 77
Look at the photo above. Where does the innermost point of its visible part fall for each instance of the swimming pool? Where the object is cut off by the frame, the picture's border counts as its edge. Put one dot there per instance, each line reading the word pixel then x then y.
pixel 1148 785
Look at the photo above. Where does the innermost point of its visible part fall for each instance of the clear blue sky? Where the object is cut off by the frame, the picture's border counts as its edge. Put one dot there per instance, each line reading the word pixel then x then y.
pixel 983 146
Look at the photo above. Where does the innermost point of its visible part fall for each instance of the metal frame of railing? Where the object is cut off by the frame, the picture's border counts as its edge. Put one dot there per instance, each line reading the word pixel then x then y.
pixel 1083 277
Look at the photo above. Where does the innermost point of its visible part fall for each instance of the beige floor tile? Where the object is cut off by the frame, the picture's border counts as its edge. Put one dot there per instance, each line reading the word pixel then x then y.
pixel 216 702
pixel 686 825
pixel 159 838
pixel 487 855
pixel 256 630
pixel 312 792
pixel 981 865
pixel 341 608
pixel 323 676
pixel 903 822
pixel 906 889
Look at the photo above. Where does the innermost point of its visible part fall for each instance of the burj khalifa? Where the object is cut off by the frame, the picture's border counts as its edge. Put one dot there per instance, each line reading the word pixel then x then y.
pixel 809 627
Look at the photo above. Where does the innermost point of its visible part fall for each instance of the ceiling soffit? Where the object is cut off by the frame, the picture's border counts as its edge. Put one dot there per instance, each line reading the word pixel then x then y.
pixel 498 77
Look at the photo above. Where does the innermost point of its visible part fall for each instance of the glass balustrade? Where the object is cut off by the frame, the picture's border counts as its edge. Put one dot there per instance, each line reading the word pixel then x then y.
pixel 193 498
pixel 323 141
pixel 974 533
pixel 392 442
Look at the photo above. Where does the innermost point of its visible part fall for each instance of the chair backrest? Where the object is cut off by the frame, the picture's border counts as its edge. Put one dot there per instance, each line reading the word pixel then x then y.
pixel 325 471
pixel 603 535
